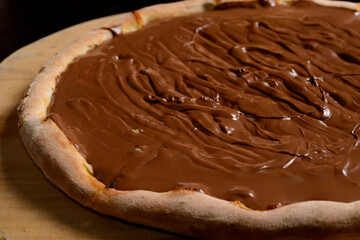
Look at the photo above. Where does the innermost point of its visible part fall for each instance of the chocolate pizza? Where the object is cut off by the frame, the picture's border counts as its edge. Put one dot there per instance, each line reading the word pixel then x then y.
pixel 200 117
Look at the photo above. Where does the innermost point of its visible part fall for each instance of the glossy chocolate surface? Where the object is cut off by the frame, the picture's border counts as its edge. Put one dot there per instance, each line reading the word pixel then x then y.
pixel 255 103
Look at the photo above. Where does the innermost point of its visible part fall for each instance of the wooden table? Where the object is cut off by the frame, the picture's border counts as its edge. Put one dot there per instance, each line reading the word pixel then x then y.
pixel 30 206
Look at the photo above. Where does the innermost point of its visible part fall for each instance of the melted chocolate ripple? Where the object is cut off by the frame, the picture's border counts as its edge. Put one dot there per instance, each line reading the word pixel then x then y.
pixel 255 103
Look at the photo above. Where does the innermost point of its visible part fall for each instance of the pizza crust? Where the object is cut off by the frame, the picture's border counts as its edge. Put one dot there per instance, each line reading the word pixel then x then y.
pixel 182 211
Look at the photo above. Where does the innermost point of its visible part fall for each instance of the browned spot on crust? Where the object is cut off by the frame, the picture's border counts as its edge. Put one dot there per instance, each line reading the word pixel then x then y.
pixel 138 19
pixel 239 204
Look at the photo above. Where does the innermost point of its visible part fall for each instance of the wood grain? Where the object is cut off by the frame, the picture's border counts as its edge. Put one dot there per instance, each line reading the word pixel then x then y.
pixel 30 206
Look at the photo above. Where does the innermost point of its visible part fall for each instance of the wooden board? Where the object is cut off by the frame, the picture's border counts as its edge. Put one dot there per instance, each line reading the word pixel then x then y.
pixel 30 206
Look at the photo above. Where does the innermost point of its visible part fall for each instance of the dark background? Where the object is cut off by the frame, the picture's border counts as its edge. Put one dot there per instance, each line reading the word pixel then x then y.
pixel 25 21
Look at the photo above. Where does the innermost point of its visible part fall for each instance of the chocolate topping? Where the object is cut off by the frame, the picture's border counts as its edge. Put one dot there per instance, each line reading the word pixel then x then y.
pixel 256 103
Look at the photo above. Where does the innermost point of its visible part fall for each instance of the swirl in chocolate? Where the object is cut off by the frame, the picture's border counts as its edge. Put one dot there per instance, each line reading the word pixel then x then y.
pixel 258 104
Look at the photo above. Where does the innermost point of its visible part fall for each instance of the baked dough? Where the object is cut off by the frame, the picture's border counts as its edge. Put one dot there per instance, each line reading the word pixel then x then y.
pixel 182 211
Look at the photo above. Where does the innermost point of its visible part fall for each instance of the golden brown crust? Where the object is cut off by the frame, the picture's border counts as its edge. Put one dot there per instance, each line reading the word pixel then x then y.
pixel 181 211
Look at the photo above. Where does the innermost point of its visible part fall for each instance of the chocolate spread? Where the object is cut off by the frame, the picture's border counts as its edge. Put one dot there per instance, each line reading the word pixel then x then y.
pixel 253 103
